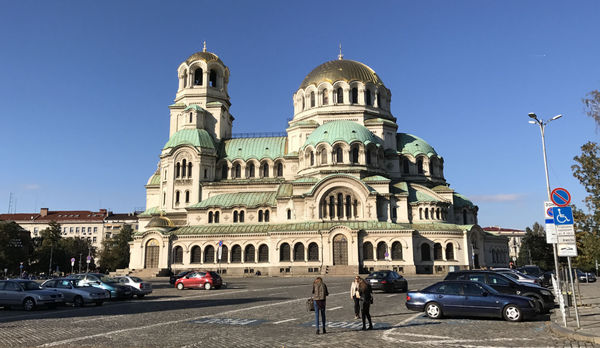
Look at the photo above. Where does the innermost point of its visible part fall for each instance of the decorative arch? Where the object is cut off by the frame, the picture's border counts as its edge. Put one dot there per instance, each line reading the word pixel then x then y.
pixel 299 252
pixel 313 252
pixel 284 252
pixel 196 255
pixel 397 251
pixel 367 251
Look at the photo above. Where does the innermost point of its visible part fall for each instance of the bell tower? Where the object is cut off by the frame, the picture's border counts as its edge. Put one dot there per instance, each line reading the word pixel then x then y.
pixel 202 100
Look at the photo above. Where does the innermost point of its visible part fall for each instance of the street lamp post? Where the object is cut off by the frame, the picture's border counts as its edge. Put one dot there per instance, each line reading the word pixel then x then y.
pixel 542 124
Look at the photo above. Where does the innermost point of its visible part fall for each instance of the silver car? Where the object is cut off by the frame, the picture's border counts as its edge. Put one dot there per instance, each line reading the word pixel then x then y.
pixel 140 288
pixel 518 276
pixel 77 294
pixel 28 295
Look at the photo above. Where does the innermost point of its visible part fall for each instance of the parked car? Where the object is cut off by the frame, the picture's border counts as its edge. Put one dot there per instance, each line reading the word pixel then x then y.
pixel 75 293
pixel 27 294
pixel 468 298
pixel 387 281
pixel 102 281
pixel 139 287
pixel 544 299
pixel 199 280
pixel 174 277
pixel 518 276
pixel 585 277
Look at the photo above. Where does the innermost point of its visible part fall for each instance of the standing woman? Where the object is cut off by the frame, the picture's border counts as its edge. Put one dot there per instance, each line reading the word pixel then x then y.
pixel 320 293
pixel 355 296
pixel 366 299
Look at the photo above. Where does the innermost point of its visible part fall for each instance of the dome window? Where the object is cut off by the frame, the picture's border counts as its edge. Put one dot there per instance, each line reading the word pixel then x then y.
pixel 183 168
pixel 340 95
pixel 279 169
pixel 368 100
pixel 420 166
pixel 213 79
pixel 355 155
pixel 177 170
pixel 265 170
pixel 405 168
pixel 176 197
pixel 325 97
pixel 251 170
pixel 312 99
pixel 191 115
pixel 187 196
pixel 354 95
pixel 339 155
pixel 368 157
pixel 198 77
pixel 312 158
pixel 189 173
pixel 238 170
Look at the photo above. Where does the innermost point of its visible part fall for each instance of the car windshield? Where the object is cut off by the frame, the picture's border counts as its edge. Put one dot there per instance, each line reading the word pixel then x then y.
pixel 381 274
pixel 136 279
pixel 30 285
pixel 183 273
pixel 511 275
pixel 107 279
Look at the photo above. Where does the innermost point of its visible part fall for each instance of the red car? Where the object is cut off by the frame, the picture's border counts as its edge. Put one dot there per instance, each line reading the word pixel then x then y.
pixel 199 280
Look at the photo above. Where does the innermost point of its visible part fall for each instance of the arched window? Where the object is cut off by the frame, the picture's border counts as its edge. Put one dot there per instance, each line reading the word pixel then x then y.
pixel 431 168
pixel 348 206
pixel 354 95
pixel 251 170
pixel 242 216
pixel 381 250
pixel 265 170
pixel 217 217
pixel 355 155
pixel 340 95
pixel 177 169
pixel 396 251
pixel 198 77
pixel 191 114
pixel 368 100
pixel 266 216
pixel 236 254
pixel 189 173
pixel 235 216
pixel 196 255
pixel 325 97
pixel 209 254
pixel 213 79
pixel 183 168
pixel 449 251
pixel 405 167
pixel 340 205
pixel 339 155
pixel 184 77
pixel 425 252
pixel 224 171
pixel 426 214
pixel 313 252
pixel 437 214
pixel 420 166
pixel 249 253
pixel 224 253
pixel 323 157
pixel 263 253
pixel 176 197
pixel 367 251
pixel 299 252
pixel 312 158
pixel 210 217
pixel 279 169
pixel 312 99
pixel 368 153
pixel 260 216
pixel 237 169
pixel 289 214
pixel 420 213
pixel 437 251
pixel 284 252
pixel 178 254
pixel 331 207
pixel 187 196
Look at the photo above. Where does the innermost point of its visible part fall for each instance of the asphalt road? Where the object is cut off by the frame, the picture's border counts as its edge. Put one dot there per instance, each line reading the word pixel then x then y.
pixel 261 312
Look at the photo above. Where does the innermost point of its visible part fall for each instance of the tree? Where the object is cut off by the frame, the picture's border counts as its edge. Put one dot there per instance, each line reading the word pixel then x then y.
pixel 15 247
pixel 115 250
pixel 46 245
pixel 592 106
pixel 534 249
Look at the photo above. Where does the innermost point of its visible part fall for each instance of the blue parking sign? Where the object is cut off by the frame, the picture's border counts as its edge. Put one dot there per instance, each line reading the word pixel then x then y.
pixel 563 215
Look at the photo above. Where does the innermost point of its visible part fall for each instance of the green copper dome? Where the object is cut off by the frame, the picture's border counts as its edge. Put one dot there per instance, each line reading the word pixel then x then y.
pixel 413 145
pixel 341 70
pixel 346 131
pixel 193 137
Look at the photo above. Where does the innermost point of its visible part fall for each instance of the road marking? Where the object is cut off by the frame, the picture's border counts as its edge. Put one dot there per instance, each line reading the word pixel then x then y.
pixel 277 293
pixel 104 334
pixel 284 321
pixel 392 295
pixel 386 333
pixel 334 308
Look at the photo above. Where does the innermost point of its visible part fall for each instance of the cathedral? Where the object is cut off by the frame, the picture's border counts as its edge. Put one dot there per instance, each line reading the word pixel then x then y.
pixel 342 191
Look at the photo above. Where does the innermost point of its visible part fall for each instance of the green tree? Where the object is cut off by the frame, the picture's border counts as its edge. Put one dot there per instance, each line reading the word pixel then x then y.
pixel 15 247
pixel 534 249
pixel 45 247
pixel 115 250
pixel 592 105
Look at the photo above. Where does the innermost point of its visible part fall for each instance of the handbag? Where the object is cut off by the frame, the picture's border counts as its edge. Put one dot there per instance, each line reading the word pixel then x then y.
pixel 310 307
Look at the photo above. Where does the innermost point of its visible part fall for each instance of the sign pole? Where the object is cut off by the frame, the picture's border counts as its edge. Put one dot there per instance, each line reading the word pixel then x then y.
pixel 573 292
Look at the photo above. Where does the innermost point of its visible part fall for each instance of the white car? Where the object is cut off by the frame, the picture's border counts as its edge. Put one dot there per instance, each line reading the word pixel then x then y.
pixel 75 293
pixel 139 287
pixel 518 276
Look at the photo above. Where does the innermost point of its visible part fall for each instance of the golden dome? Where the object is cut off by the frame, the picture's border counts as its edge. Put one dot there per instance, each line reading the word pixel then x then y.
pixel 341 70
pixel 160 221
pixel 205 56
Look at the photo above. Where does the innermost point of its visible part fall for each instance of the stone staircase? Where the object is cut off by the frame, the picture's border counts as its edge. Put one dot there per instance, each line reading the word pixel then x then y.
pixel 141 273
pixel 339 270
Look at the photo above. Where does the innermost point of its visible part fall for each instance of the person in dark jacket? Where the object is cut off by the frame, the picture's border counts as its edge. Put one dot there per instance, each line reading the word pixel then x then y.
pixel 355 297
pixel 366 299
pixel 320 294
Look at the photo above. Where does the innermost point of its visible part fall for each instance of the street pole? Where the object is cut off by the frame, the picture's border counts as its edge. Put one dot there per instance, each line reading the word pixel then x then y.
pixel 50 265
pixel 542 125
pixel 80 262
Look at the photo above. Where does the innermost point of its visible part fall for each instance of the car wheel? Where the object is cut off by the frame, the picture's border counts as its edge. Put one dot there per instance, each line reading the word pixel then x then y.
pixel 28 304
pixel 207 286
pixel 512 313
pixel 141 295
pixel 433 310
pixel 78 301
pixel 99 303
pixel 180 286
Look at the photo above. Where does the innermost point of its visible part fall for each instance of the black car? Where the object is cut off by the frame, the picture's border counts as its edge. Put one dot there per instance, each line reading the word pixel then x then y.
pixel 387 281
pixel 173 278
pixel 501 283
pixel 585 277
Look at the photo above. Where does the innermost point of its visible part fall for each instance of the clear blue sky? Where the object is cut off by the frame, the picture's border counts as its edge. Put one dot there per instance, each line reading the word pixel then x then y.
pixel 84 88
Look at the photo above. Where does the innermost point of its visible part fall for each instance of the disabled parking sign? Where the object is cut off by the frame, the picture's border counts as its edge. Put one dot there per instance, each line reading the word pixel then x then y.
pixel 562 215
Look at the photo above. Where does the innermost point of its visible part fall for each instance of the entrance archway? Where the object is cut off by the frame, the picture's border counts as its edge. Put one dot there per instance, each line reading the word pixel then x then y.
pixel 152 254
pixel 340 250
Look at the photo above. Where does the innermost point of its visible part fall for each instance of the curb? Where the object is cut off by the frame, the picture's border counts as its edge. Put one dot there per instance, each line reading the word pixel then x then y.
pixel 571 334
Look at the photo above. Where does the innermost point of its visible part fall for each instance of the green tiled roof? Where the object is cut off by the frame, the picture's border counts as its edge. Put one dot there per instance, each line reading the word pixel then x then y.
pixel 413 145
pixel 442 188
pixel 376 178
pixel 312 190
pixel 308 179
pixel 380 121
pixel 462 201
pixel 419 196
pixel 346 131
pixel 177 105
pixel 243 199
pixel 400 187
pixel 150 211
pixel 285 190
pixel 257 148
pixel 154 179
pixel 193 137
pixel 194 107
pixel 266 228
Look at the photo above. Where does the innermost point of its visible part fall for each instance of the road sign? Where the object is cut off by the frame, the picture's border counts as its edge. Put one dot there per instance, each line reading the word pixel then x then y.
pixel 569 250
pixel 88 259
pixel 560 197
pixel 563 220
pixel 562 216
pixel 72 259
pixel 550 230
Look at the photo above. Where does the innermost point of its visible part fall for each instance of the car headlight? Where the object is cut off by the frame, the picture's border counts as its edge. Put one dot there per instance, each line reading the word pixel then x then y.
pixel 545 292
